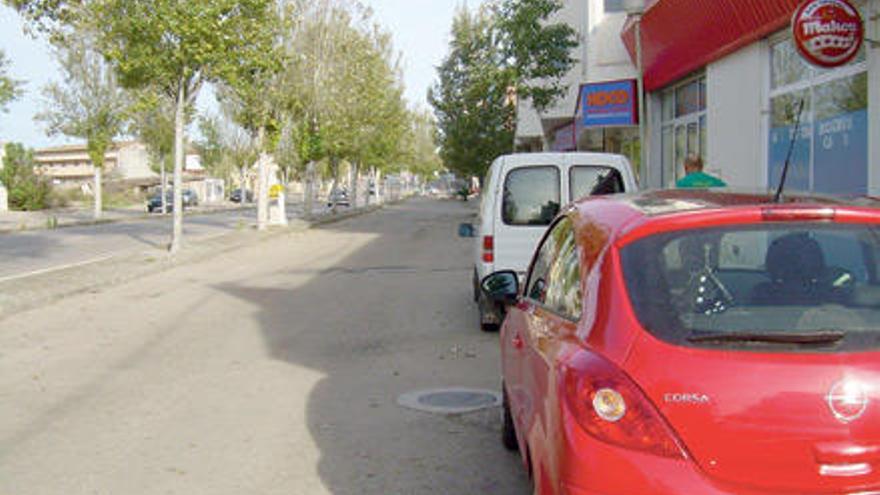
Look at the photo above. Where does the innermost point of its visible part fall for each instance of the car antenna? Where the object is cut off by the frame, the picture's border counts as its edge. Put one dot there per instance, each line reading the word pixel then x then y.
pixel 797 127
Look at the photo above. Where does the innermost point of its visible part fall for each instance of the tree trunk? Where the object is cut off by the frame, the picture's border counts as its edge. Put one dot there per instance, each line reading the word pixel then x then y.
pixel 243 185
pixel 164 181
pixel 177 200
pixel 262 183
pixel 334 169
pixel 379 197
pixel 99 206
pixel 355 172
pixel 308 191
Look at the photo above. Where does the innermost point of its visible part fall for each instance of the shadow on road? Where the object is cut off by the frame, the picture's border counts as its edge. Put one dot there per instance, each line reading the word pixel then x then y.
pixel 392 317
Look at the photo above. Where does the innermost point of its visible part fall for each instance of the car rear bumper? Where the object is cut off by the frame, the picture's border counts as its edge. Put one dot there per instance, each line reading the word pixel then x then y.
pixel 588 466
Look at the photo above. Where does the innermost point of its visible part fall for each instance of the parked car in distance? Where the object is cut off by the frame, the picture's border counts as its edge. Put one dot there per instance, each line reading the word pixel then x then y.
pixel 697 342
pixel 154 202
pixel 338 197
pixel 521 196
pixel 235 196
pixel 190 198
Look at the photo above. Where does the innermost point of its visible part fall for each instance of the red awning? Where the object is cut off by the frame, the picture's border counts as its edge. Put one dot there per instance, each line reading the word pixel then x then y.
pixel 681 36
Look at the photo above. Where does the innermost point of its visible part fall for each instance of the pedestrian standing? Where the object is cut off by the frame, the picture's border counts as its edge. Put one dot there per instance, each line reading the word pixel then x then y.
pixel 695 177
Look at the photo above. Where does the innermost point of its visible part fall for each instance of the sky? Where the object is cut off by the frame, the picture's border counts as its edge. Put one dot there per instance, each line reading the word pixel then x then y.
pixel 420 29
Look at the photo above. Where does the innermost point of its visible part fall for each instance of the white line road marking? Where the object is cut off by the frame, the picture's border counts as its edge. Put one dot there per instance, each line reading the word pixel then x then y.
pixel 56 268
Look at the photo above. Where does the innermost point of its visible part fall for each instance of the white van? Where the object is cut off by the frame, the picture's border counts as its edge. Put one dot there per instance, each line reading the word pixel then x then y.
pixel 521 196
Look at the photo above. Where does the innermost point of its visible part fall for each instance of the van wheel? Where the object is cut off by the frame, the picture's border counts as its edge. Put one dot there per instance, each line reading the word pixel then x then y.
pixel 508 430
pixel 484 326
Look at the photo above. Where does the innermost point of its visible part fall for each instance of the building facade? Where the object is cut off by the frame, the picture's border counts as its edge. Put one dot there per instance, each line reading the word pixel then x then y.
pixel 584 119
pixel 724 80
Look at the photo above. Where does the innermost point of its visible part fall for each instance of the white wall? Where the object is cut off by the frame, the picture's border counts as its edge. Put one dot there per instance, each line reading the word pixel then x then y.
pixel 735 118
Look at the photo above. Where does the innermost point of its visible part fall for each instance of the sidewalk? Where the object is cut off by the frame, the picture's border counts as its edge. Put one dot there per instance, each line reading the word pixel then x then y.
pixel 12 221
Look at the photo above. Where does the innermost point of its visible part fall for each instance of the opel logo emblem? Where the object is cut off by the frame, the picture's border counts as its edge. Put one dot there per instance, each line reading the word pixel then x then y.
pixel 847 400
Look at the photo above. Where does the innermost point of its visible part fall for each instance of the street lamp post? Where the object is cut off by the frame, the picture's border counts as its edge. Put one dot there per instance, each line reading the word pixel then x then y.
pixel 635 9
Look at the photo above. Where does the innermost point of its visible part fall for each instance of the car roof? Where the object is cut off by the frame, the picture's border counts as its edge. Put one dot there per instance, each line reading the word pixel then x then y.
pixel 671 201
pixel 620 213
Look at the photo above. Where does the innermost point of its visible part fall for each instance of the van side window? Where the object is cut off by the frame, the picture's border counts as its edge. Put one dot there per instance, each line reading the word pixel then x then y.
pixel 531 196
pixel 593 181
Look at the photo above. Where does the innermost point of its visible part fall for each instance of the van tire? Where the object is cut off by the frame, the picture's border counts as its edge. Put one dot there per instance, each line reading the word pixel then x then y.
pixel 508 429
pixel 484 326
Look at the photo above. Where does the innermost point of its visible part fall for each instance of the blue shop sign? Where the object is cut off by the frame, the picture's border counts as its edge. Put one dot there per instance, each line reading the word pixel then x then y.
pixel 611 103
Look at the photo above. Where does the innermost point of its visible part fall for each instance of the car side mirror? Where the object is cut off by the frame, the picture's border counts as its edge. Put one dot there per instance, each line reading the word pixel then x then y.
pixel 466 230
pixel 501 287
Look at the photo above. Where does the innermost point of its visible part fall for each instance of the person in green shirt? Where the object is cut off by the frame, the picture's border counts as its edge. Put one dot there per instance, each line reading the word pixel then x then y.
pixel 695 177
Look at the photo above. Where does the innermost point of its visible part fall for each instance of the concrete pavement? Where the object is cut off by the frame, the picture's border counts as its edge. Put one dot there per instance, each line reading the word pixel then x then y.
pixel 269 369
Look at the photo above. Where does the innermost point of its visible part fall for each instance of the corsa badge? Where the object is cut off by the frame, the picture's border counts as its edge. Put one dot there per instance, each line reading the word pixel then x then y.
pixel 847 400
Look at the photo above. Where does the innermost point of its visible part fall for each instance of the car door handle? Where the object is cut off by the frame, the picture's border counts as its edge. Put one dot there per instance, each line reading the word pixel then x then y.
pixel 517 342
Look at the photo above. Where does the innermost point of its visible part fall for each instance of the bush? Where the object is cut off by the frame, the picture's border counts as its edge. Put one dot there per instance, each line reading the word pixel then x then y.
pixel 25 189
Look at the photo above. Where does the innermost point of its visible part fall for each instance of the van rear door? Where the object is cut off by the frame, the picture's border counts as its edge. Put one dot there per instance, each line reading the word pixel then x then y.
pixel 529 198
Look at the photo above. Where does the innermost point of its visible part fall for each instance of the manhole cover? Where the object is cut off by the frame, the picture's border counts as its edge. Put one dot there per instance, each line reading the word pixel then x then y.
pixel 450 400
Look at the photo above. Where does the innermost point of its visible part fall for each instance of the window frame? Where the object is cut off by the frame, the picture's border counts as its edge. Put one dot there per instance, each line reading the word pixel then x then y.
pixel 814 79
pixel 610 169
pixel 512 171
pixel 528 281
pixel 698 118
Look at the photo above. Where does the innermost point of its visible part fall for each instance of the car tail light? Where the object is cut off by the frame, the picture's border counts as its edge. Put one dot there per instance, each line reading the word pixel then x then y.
pixel 488 248
pixel 609 406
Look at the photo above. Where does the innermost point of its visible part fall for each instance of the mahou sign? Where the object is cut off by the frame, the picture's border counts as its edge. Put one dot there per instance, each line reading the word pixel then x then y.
pixel 827 33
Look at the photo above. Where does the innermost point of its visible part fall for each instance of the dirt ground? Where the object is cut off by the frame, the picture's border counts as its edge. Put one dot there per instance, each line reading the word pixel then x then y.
pixel 273 368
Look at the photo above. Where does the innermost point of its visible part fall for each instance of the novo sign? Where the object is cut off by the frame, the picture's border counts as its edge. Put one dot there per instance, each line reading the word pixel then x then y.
pixel 610 103
pixel 827 33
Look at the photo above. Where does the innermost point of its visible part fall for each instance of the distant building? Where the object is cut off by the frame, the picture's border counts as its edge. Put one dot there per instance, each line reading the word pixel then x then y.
pixel 70 165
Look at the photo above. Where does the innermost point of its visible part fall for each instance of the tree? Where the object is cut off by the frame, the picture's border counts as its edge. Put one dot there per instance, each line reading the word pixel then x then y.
pixel 177 47
pixel 536 51
pixel 257 100
pixel 10 88
pixel 471 99
pixel 27 190
pixel 503 53
pixel 89 104
pixel 152 121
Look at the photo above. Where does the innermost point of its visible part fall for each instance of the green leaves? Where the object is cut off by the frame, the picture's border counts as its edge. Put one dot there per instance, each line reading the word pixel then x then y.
pixel 475 115
pixel 10 88
pixel 507 52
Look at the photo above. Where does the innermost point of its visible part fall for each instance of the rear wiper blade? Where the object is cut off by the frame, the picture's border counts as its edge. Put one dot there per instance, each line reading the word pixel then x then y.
pixel 814 337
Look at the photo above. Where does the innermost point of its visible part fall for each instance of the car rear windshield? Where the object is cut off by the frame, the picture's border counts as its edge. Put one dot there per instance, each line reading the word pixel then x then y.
pixel 789 287
pixel 594 180
pixel 531 196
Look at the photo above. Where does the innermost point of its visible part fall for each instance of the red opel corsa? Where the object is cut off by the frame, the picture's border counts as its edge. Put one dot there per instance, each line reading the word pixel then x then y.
pixel 697 342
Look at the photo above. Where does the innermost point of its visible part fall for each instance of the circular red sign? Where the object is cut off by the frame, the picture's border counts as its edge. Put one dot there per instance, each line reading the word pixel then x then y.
pixel 827 33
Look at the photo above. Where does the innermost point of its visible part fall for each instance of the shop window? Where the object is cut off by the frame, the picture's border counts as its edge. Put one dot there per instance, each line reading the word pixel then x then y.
pixel 831 153
pixel 683 131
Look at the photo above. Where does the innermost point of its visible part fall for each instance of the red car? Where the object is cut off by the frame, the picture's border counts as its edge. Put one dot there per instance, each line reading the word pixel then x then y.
pixel 697 342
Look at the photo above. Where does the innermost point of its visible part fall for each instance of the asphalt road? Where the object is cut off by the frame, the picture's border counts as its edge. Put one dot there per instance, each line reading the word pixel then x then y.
pixel 37 251
pixel 270 369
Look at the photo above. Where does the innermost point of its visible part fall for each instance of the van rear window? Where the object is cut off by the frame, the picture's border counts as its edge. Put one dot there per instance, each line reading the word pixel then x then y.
pixel 531 196
pixel 593 180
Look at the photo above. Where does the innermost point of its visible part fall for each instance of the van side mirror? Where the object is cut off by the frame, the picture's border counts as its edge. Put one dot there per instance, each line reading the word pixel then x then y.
pixel 466 230
pixel 501 287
